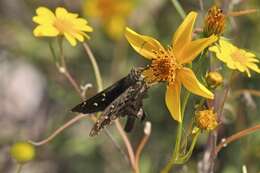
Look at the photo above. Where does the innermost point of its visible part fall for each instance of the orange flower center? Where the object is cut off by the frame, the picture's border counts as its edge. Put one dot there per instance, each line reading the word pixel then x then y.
pixel 63 25
pixel 163 68
pixel 238 56
pixel 214 21
pixel 206 119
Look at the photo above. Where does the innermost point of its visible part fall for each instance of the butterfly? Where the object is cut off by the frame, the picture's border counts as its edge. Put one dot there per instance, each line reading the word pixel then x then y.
pixel 122 99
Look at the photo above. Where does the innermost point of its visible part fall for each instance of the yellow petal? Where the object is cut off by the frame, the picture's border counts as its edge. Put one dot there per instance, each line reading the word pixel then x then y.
pixel 251 55
pixel 192 49
pixel 144 45
pixel 239 66
pixel 172 100
pixel 81 24
pixel 191 83
pixel 78 36
pixel 61 12
pixel 253 67
pixel 42 20
pixel 223 52
pixel 44 16
pixel 71 39
pixel 80 21
pixel 183 35
pixel 43 11
pixel 248 72
pixel 71 16
pixel 86 28
pixel 45 30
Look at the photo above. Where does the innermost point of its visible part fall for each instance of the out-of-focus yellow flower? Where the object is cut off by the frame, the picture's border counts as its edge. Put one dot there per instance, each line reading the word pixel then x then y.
pixel 168 64
pixel 112 13
pixel 235 58
pixel 214 79
pixel 206 119
pixel 22 152
pixel 60 23
pixel 214 22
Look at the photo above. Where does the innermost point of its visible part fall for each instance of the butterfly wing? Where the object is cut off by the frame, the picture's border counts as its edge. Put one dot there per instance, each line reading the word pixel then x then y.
pixel 129 104
pixel 101 100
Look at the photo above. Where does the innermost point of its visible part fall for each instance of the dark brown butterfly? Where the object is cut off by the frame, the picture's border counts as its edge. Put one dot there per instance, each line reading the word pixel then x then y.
pixel 123 99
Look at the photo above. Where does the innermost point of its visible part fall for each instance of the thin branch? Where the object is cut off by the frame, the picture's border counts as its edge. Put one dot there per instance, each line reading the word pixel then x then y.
pixel 59 130
pixel 250 91
pixel 242 12
pixel 201 5
pixel 147 133
pixel 73 82
pixel 63 69
pixel 127 144
pixel 235 137
pixel 117 145
pixel 221 108
pixel 179 8
pixel 95 66
pixel 19 168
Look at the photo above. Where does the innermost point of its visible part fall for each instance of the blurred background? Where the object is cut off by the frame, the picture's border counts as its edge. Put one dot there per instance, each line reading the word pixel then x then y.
pixel 35 98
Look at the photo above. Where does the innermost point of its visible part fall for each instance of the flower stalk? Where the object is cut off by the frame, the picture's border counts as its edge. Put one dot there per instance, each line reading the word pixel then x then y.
pixel 19 168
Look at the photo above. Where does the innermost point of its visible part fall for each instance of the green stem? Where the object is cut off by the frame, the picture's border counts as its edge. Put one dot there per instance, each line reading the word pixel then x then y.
pixel 179 8
pixel 54 57
pixel 62 57
pixel 95 66
pixel 19 168
pixel 175 154
pixel 186 157
pixel 184 104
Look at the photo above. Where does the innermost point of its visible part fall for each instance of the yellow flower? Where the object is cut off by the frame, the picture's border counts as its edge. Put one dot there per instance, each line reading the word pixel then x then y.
pixel 235 58
pixel 22 152
pixel 206 119
pixel 214 21
pixel 214 79
pixel 112 13
pixel 60 23
pixel 168 64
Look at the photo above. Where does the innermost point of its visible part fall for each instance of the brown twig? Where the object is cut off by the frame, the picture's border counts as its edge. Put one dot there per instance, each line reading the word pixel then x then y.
pixel 221 107
pixel 235 137
pixel 95 66
pixel 201 5
pixel 63 70
pixel 66 73
pixel 147 132
pixel 127 144
pixel 59 130
pixel 242 12
pixel 250 91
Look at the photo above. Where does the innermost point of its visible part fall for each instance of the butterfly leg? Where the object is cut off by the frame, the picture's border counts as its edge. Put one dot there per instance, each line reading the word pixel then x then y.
pixel 129 124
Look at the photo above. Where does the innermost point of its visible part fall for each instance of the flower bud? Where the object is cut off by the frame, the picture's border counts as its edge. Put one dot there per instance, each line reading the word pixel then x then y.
pixel 214 79
pixel 22 152
pixel 214 21
pixel 206 119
